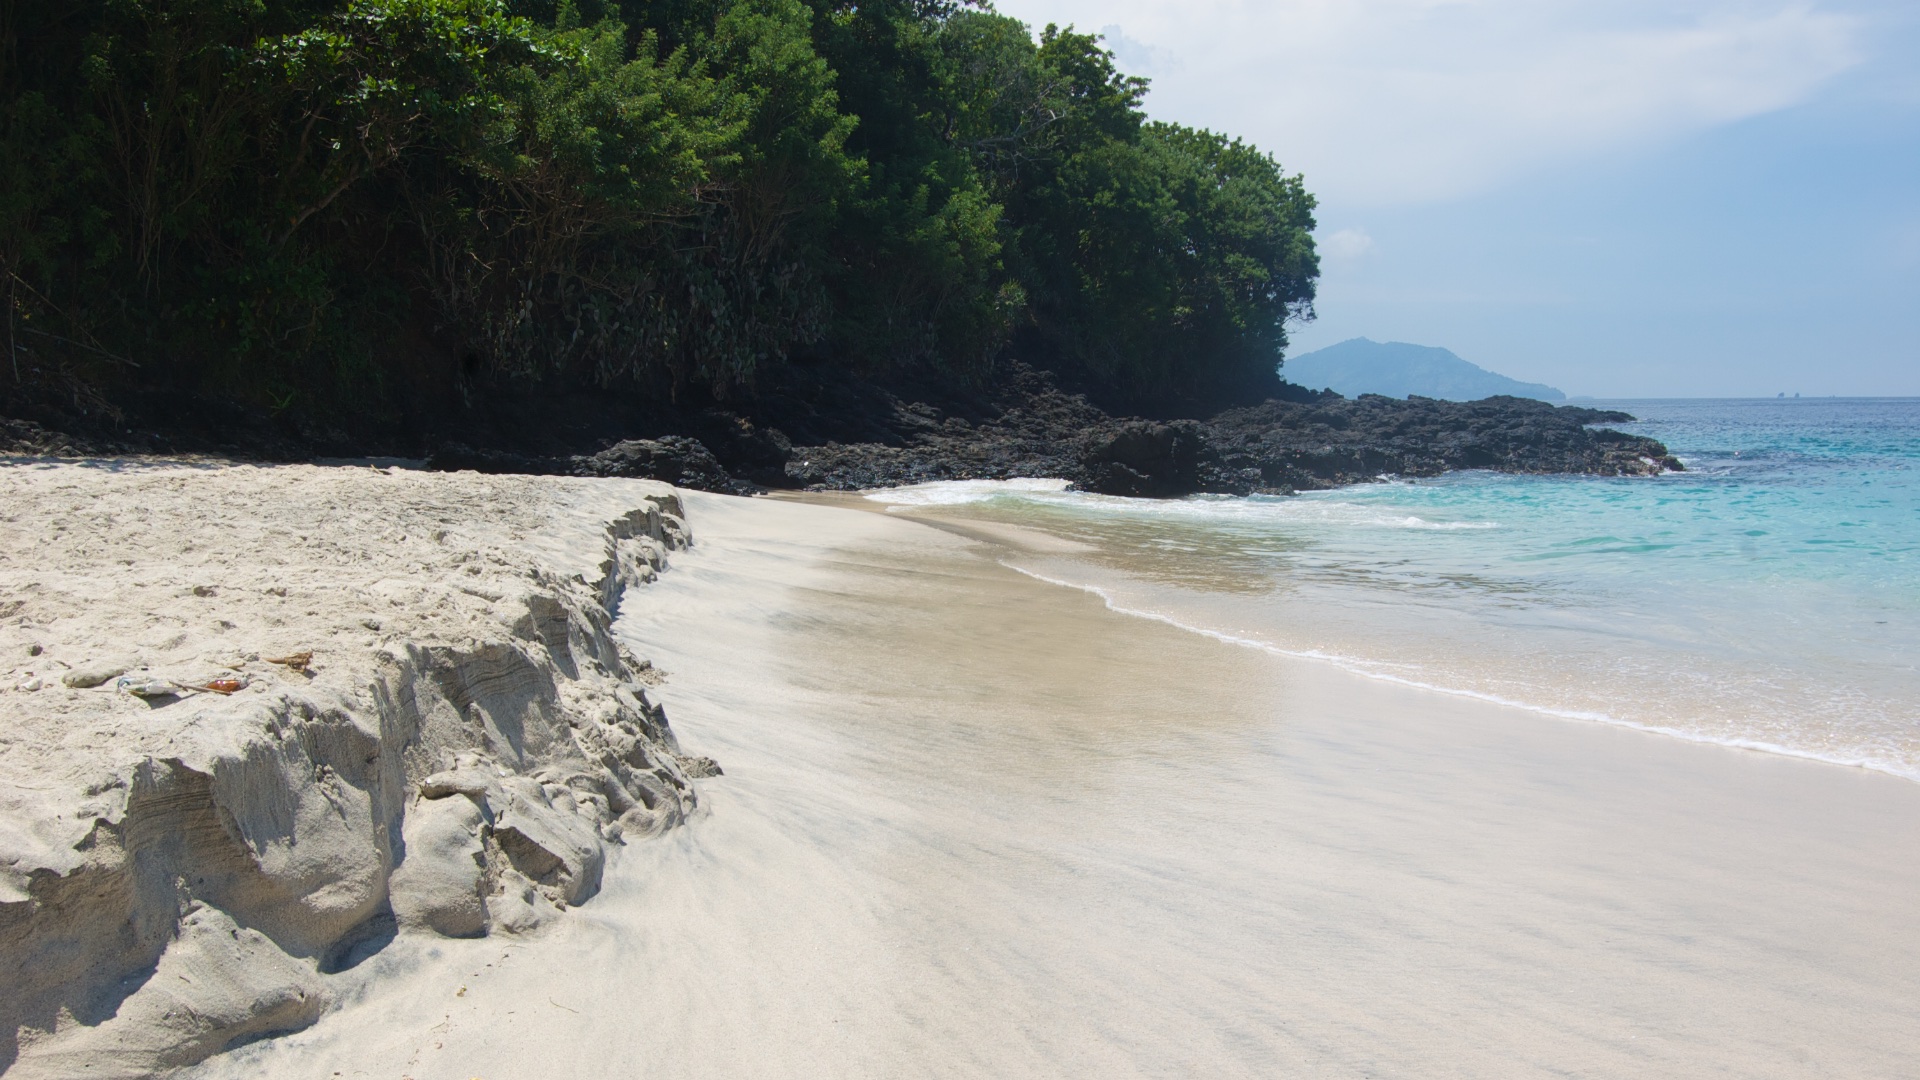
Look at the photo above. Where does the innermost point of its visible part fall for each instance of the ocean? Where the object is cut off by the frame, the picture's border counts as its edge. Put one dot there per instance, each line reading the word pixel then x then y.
pixel 1767 598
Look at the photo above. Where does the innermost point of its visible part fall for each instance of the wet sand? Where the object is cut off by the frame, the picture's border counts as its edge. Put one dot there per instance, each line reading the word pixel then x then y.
pixel 975 825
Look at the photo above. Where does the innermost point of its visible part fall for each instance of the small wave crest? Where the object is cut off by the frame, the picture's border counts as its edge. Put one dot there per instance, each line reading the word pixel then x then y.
pixel 1201 508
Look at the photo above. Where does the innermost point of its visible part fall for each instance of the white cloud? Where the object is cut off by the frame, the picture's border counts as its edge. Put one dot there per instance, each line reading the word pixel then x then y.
pixel 1397 101
pixel 1137 57
pixel 1344 247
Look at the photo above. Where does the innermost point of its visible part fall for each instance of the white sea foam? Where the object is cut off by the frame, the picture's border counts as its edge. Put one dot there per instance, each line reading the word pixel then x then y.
pixel 1201 508
pixel 1374 670
pixel 961 492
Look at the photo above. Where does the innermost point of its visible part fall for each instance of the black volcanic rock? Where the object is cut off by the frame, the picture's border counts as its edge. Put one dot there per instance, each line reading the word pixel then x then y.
pixel 824 428
pixel 1028 427
pixel 1150 460
pixel 745 449
pixel 1341 441
pixel 1019 425
pixel 674 459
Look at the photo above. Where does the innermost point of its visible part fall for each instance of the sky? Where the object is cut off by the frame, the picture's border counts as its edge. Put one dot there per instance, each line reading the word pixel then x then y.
pixel 1621 198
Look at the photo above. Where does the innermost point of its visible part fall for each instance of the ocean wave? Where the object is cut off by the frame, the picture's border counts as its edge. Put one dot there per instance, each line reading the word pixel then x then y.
pixel 1213 509
pixel 962 492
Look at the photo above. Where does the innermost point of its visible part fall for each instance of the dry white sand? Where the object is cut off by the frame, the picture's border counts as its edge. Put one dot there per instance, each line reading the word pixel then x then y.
pixel 186 871
pixel 975 826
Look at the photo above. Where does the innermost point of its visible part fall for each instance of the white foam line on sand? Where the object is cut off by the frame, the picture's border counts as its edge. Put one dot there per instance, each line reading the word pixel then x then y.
pixel 1364 670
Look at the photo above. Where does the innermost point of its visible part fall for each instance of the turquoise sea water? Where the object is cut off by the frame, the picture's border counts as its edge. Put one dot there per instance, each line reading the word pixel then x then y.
pixel 1769 597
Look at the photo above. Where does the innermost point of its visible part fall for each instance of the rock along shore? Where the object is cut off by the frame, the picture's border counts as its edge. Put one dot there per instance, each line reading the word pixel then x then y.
pixel 427 726
pixel 824 429
pixel 839 435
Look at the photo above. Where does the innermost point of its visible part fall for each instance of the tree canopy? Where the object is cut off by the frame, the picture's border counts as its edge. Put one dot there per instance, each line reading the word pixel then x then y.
pixel 298 200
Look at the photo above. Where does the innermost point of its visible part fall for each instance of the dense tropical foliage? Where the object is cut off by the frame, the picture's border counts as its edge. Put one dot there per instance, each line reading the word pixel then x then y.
pixel 309 202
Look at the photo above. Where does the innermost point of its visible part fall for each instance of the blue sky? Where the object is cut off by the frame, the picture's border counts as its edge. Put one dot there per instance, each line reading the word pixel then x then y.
pixel 1624 198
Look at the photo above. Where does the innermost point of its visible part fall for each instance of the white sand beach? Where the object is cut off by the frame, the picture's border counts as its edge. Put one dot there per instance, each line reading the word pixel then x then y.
pixel 972 825
pixel 258 721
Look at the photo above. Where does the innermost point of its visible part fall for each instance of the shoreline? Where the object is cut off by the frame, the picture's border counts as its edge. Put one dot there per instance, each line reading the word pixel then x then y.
pixel 973 823
pixel 978 825
pixel 1356 668
pixel 1038 541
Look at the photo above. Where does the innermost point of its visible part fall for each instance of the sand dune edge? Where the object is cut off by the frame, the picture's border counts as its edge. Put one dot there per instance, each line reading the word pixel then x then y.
pixel 181 873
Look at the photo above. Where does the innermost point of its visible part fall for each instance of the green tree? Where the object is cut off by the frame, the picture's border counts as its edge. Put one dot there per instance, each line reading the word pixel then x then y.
pixel 326 206
pixel 1164 263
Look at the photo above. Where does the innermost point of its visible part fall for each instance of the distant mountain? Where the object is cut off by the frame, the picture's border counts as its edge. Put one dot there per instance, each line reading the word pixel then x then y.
pixel 1397 369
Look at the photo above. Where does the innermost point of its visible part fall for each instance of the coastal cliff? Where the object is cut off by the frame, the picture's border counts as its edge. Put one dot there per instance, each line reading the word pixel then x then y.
pixel 368 701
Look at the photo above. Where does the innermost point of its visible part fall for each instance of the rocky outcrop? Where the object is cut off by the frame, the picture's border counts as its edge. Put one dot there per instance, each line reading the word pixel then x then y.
pixel 1284 446
pixel 831 436
pixel 1313 440
pixel 184 873
pixel 825 427
pixel 1149 460
pixel 672 459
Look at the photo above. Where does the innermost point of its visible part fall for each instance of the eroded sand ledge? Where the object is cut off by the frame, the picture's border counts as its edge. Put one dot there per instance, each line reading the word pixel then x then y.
pixel 181 874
